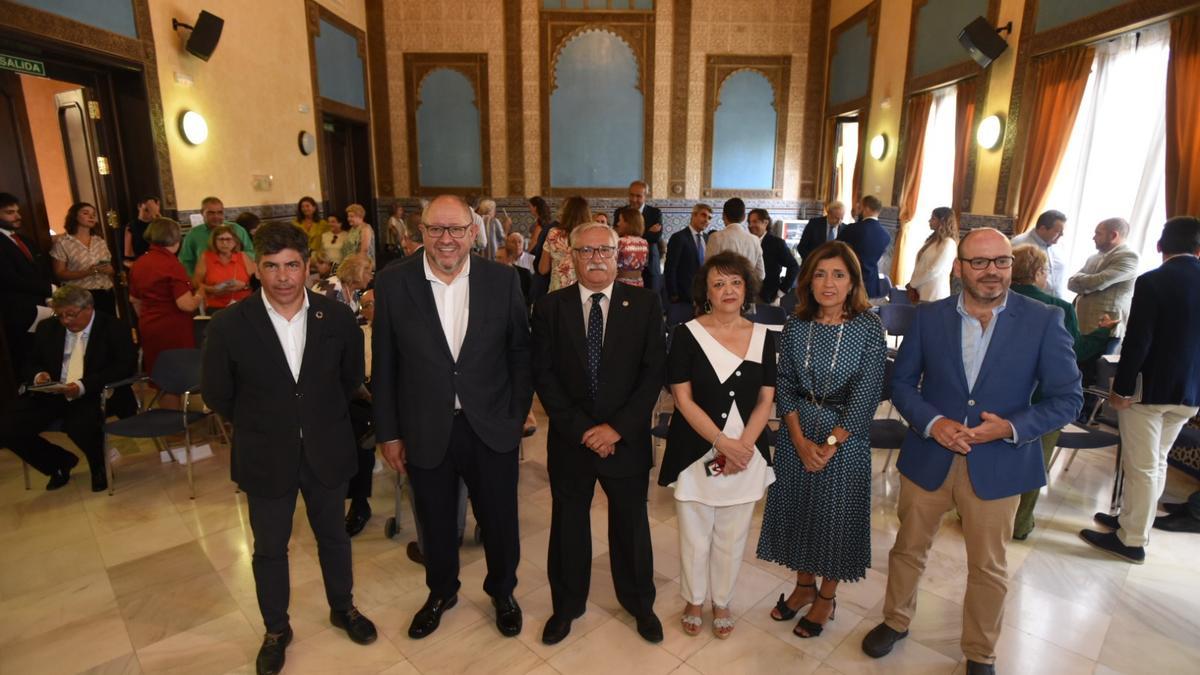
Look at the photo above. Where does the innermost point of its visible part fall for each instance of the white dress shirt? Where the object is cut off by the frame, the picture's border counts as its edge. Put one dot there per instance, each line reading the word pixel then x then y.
pixel 291 333
pixel 736 238
pixel 1058 267
pixel 586 296
pixel 453 303
pixel 72 342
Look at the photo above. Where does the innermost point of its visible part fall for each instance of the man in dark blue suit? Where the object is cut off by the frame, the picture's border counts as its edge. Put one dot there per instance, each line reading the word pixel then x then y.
pixel 1157 386
pixel 821 229
pixel 652 219
pixel 869 241
pixel 685 255
pixel 963 380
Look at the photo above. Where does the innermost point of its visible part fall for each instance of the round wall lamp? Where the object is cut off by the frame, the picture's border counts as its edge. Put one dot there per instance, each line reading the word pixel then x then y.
pixel 308 143
pixel 879 146
pixel 991 129
pixel 193 127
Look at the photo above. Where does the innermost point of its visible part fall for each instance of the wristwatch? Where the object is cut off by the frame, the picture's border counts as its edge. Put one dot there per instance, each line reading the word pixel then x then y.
pixel 831 441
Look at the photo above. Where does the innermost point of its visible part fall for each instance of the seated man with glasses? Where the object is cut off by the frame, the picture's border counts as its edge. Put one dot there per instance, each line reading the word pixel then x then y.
pixel 82 351
pixel 963 381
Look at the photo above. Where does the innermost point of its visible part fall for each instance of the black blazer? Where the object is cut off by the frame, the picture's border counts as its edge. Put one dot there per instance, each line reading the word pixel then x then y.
pixel 24 285
pixel 816 232
pixel 415 379
pixel 631 375
pixel 682 264
pixel 110 354
pixel 869 241
pixel 276 420
pixel 777 259
pixel 1161 340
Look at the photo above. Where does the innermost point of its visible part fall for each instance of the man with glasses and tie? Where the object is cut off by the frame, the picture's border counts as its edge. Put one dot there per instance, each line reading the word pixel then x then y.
pixel 599 355
pixel 963 381
pixel 685 254
pixel 82 351
pixel 451 383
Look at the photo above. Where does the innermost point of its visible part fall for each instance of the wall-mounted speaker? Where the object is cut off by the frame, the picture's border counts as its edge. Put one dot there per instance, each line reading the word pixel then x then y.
pixel 983 42
pixel 205 34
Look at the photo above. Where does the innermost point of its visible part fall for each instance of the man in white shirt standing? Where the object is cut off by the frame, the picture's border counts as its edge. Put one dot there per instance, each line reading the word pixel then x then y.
pixel 736 238
pixel 1045 234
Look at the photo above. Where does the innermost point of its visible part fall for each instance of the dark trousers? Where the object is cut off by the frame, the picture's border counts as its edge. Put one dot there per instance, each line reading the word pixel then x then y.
pixel 32 414
pixel 570 558
pixel 271 521
pixel 491 479
pixel 361 422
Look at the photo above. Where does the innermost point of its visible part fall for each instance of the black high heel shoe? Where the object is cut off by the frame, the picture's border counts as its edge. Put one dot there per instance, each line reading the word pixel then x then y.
pixel 786 613
pixel 812 628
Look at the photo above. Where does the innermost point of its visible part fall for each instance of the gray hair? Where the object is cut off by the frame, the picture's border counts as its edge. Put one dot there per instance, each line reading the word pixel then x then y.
pixel 69 295
pixel 486 206
pixel 162 232
pixel 593 225
pixel 1118 225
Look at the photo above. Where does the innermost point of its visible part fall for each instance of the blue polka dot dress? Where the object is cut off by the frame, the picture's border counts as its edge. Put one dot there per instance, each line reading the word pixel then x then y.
pixel 821 522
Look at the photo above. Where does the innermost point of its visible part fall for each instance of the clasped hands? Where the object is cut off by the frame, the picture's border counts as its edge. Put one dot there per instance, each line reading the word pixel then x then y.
pixel 959 437
pixel 601 439
pixel 737 451
pixel 815 456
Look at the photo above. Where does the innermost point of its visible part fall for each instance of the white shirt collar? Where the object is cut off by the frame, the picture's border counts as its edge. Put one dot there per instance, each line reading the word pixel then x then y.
pixel 430 276
pixel 272 312
pixel 585 294
pixel 87 330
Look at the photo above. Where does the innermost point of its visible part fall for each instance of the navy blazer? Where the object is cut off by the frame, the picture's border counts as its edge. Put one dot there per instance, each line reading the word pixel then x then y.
pixel 777 260
pixel 1162 339
pixel 869 241
pixel 815 233
pixel 1030 347
pixel 683 260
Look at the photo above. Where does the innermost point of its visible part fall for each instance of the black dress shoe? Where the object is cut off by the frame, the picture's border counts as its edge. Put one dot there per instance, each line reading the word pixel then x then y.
pixel 977 668
pixel 880 640
pixel 356 519
pixel 413 551
pixel 557 628
pixel 271 654
pixel 650 628
pixel 358 627
pixel 1107 520
pixel 508 616
pixel 58 479
pixel 99 482
pixel 429 617
pixel 1172 509
pixel 1111 544
pixel 1178 522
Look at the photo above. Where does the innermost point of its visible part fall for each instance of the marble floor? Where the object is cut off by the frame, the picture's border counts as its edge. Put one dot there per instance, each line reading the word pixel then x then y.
pixel 151 581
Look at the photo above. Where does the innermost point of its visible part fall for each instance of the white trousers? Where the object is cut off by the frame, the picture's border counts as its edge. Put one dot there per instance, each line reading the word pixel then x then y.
pixel 711 542
pixel 1147 434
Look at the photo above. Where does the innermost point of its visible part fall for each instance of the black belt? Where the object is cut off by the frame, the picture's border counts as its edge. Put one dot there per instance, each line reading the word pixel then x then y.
pixel 825 402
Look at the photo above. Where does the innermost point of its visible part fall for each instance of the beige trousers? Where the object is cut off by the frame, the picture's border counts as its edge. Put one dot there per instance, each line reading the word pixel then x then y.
pixel 987 526
pixel 1147 434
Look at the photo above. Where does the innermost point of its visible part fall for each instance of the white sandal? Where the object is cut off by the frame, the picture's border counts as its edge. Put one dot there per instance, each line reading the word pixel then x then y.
pixel 722 625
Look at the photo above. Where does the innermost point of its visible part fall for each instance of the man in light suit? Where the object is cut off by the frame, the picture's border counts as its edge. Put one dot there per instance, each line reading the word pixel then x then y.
pixel 821 229
pixel 963 380
pixel 685 255
pixel 652 275
pixel 869 241
pixel 451 384
pixel 1105 284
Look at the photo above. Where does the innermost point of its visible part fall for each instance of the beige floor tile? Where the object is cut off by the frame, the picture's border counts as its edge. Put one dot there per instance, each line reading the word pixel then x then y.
pixel 614 648
pixel 937 624
pixel 28 616
pixel 1021 652
pixel 142 540
pixel 159 571
pixel 820 647
pixel 537 607
pixel 233 546
pixel 331 651
pixel 1133 647
pixel 479 648
pixel 158 613
pixel 1045 615
pixel 750 650
pixel 72 647
pixel 127 664
pixel 393 621
pixel 36 572
pixel 402 668
pixel 909 656
pixel 212 647
pixel 212 513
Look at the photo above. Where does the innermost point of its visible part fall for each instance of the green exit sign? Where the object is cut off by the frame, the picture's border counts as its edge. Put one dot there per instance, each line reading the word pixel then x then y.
pixel 23 66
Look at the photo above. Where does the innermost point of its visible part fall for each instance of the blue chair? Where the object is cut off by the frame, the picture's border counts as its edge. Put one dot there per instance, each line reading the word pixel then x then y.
pixel 896 320
pixel 899 296
pixel 177 371
pixel 769 315
pixel 887 434
pixel 788 302
pixel 679 312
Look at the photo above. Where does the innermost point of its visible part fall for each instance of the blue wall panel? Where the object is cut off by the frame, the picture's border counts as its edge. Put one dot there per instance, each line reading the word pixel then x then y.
pixel 448 131
pixel 938 25
pixel 1051 13
pixel 114 16
pixel 339 67
pixel 850 68
pixel 596 121
pixel 744 133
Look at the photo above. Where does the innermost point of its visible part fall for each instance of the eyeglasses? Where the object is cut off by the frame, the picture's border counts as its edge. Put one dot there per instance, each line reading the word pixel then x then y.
pixel 68 316
pixel 456 231
pixel 604 252
pixel 1002 263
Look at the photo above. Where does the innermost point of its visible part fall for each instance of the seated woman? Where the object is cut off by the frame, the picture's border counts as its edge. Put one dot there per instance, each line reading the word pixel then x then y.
pixel 80 256
pixel 354 275
pixel 717 457
pixel 223 271
pixel 632 249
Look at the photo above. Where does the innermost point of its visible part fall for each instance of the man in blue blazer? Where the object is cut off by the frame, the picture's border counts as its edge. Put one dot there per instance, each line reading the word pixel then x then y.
pixel 1157 386
pixel 869 241
pixel 963 380
pixel 685 255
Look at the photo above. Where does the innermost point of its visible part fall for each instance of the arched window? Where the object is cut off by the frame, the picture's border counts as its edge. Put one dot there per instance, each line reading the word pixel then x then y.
pixel 448 137
pixel 744 125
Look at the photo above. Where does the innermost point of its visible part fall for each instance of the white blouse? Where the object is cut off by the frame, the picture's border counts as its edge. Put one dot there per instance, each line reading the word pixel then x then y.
pixel 931 275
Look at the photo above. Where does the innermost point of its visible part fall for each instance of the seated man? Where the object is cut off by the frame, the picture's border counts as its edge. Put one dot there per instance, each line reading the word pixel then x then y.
pixel 84 350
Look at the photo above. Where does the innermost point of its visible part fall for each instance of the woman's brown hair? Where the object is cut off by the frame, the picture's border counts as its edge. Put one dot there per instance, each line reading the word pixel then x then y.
pixel 575 212
pixel 726 262
pixel 856 299
pixel 220 230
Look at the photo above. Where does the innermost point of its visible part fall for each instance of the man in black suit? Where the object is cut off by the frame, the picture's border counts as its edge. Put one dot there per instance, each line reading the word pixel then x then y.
pixel 24 286
pixel 869 241
pixel 777 258
pixel 685 255
pixel 598 368
pixel 282 366
pixel 85 350
pixel 1157 386
pixel 821 229
pixel 452 386
pixel 652 219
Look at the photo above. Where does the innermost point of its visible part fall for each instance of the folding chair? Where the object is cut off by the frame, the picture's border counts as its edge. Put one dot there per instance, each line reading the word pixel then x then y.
pixel 887 434
pixel 769 315
pixel 896 320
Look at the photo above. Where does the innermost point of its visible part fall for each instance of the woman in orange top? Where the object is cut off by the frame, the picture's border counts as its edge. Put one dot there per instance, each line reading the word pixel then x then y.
pixel 223 271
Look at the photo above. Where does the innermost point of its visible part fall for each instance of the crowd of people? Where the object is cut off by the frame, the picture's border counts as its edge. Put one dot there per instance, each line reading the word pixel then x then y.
pixel 435 358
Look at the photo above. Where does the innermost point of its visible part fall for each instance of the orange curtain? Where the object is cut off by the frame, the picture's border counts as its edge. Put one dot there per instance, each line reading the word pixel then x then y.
pixel 825 177
pixel 1183 120
pixel 964 125
pixel 1055 90
pixel 856 191
pixel 917 115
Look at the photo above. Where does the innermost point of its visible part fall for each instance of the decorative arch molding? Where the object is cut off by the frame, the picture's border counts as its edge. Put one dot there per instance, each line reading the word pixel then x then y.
pixel 556 29
pixel 777 70
pixel 472 66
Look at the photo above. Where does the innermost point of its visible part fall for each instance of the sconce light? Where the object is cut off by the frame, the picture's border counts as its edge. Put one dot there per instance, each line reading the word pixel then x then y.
pixel 879 146
pixel 193 127
pixel 991 129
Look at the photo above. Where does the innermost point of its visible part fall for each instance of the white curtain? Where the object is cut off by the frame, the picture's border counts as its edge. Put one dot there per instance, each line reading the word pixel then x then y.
pixel 937 171
pixel 1115 160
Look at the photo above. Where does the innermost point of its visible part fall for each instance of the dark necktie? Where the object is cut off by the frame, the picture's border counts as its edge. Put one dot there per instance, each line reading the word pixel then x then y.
pixel 700 247
pixel 595 342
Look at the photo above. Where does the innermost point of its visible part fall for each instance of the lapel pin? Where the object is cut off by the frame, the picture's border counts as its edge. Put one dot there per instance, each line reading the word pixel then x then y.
pixel 320 314
pixel 624 303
